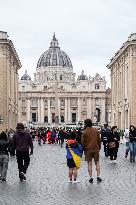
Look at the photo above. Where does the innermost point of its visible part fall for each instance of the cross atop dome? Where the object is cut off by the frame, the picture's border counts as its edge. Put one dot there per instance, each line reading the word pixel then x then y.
pixel 54 42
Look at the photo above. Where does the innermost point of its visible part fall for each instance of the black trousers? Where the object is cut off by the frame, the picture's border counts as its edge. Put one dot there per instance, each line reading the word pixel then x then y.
pixel 23 161
pixel 113 153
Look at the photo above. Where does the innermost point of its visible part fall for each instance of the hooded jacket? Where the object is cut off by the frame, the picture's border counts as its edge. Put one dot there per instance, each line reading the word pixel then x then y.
pixel 23 141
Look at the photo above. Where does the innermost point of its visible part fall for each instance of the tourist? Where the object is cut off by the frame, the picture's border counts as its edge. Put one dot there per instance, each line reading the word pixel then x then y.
pixel 73 145
pixel 126 135
pixel 91 143
pixel 22 141
pixel 4 155
pixel 132 143
pixel 104 136
pixel 113 144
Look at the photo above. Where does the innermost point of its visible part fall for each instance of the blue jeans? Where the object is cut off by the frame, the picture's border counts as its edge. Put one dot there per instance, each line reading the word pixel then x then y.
pixel 132 146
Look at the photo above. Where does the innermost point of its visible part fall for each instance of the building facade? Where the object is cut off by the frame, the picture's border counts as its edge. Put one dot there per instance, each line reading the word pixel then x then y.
pixel 55 94
pixel 9 65
pixel 123 84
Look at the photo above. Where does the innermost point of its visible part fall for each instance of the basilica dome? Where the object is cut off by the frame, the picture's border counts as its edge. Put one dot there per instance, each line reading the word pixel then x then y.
pixel 54 56
pixel 25 76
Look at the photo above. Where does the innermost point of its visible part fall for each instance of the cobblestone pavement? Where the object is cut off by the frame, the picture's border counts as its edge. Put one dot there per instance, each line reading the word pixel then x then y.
pixel 47 181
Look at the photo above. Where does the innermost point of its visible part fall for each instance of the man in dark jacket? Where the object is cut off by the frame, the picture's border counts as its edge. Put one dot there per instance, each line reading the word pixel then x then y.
pixel 104 136
pixel 22 143
pixel 91 143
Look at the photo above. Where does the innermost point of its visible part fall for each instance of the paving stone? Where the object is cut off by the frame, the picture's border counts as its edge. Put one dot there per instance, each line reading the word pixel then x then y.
pixel 47 181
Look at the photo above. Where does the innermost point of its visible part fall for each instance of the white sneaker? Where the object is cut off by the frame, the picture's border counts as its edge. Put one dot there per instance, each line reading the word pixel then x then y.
pixel 111 161
pixel 75 182
pixel 70 181
pixel 114 161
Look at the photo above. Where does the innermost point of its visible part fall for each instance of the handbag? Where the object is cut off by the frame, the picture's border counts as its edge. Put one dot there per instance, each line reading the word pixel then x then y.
pixel 76 158
pixel 112 145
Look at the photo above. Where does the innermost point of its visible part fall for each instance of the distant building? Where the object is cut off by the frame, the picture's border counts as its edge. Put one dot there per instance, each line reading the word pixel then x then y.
pixel 55 94
pixel 9 65
pixel 123 84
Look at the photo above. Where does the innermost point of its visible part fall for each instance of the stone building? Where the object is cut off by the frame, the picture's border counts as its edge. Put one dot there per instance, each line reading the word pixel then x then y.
pixel 123 84
pixel 55 92
pixel 9 65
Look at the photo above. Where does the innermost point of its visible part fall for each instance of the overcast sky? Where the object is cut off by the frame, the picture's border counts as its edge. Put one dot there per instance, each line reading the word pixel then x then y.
pixel 89 31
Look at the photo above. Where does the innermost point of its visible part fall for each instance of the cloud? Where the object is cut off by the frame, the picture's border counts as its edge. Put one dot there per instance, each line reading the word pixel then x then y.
pixel 89 31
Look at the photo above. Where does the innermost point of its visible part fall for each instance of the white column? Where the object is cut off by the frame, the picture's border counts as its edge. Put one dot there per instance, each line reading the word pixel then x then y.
pixel 49 111
pixel 69 113
pixel 39 110
pixel 102 113
pixel 59 109
pixel 88 110
pixel 42 111
pixel 28 110
pixel 66 106
pixel 79 110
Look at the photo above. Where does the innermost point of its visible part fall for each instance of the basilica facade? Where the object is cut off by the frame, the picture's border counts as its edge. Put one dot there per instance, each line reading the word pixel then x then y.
pixel 55 95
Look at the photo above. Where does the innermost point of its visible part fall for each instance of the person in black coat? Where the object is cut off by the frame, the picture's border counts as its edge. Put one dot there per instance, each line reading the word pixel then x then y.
pixel 113 144
pixel 132 143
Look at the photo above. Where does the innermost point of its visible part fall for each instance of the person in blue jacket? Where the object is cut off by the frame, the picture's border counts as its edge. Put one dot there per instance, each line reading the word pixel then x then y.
pixel 77 149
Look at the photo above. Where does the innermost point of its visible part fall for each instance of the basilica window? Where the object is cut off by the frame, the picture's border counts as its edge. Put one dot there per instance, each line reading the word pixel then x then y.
pixel 97 87
pixel 46 102
pixel 23 87
pixel 84 102
pixel 62 118
pixel 45 87
pixel 60 77
pixel 52 102
pixel 34 103
pixel 97 101
pixel 23 103
pixel 33 87
pixel 73 102
pixel 62 102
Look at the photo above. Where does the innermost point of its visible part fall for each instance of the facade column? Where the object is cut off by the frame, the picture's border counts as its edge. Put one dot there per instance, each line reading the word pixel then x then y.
pixel 79 110
pixel 42 111
pixel 69 113
pixel 59 109
pixel 89 115
pixel 28 110
pixel 66 106
pixel 49 111
pixel 39 110
pixel 102 116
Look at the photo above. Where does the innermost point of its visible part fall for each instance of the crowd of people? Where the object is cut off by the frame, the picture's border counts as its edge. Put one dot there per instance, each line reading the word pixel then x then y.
pixel 79 141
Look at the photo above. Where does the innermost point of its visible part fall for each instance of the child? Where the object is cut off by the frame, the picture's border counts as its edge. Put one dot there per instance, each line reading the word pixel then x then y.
pixel 77 149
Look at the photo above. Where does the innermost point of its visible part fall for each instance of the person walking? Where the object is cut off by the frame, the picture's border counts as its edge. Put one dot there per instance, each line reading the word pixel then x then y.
pixel 4 155
pixel 113 144
pixel 74 146
pixel 104 136
pixel 132 143
pixel 126 135
pixel 91 143
pixel 22 142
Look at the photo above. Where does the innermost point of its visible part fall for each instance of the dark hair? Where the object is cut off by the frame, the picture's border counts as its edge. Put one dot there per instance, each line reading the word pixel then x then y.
pixel 20 126
pixel 132 126
pixel 88 123
pixel 3 136
pixel 72 135
pixel 113 128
